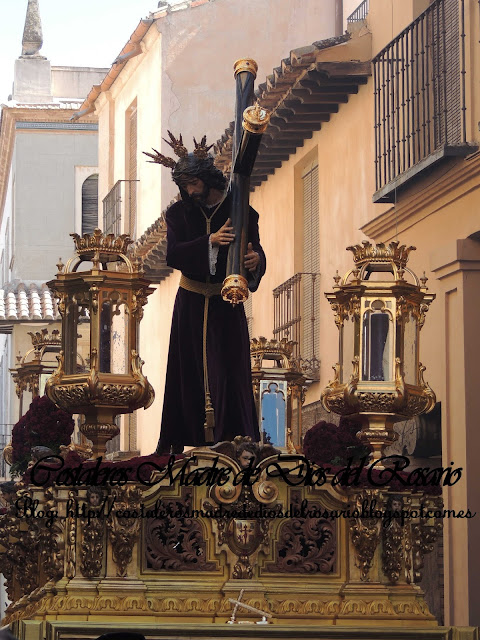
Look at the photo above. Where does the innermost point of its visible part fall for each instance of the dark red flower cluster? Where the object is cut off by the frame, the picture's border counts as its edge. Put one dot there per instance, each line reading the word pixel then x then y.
pixel 45 425
pixel 330 446
pixel 325 443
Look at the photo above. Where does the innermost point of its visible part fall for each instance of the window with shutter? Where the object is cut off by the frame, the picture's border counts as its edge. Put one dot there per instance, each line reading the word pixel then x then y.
pixel 311 260
pixel 90 204
pixel 131 171
pixel 296 300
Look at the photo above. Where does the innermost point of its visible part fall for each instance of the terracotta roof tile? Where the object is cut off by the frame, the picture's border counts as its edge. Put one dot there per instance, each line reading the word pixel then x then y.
pixel 27 302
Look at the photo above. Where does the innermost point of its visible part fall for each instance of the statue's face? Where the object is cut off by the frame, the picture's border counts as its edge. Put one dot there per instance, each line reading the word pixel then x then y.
pixel 94 499
pixel 396 505
pixel 245 457
pixel 197 190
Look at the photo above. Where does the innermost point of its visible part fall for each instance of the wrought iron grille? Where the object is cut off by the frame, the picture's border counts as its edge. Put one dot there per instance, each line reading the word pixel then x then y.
pixel 293 299
pixel 419 80
pixel 119 202
pixel 360 12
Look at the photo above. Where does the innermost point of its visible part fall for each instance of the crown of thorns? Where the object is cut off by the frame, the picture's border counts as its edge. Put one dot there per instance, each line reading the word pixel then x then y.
pixel 201 151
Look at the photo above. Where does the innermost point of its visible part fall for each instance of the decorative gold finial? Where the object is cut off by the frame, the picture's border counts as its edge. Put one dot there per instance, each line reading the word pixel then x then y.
pixel 367 253
pixel 245 64
pixel 100 248
pixel 43 338
pixel 255 118
pixel 60 266
pixel 235 289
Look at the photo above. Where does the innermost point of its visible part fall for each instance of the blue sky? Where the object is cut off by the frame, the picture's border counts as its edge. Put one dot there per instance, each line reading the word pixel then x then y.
pixel 75 32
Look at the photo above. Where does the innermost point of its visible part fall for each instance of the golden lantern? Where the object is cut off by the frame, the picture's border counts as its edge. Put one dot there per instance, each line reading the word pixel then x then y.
pixel 279 390
pixel 380 308
pixel 36 365
pixel 101 307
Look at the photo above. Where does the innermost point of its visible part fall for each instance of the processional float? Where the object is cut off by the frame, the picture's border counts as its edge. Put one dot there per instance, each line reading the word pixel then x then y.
pixel 157 551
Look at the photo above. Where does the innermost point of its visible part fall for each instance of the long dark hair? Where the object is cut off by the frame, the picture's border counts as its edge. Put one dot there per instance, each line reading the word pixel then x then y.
pixel 190 168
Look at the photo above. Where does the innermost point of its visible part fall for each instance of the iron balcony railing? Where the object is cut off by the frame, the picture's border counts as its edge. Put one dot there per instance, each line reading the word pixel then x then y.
pixel 119 202
pixel 294 318
pixel 419 94
pixel 360 12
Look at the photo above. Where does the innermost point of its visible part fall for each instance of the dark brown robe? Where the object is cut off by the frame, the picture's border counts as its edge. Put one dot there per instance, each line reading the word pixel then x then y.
pixel 228 345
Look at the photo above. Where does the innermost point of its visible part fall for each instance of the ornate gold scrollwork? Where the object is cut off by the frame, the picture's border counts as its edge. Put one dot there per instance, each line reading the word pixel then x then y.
pixel 93 538
pixel 393 550
pixel 305 545
pixel 52 541
pixel 265 491
pixel 225 494
pixel 70 541
pixel 139 300
pixel 365 533
pixel 340 313
pixel 123 531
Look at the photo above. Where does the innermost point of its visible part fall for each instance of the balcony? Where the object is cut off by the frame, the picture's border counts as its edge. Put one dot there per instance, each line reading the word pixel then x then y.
pixel 119 204
pixel 419 97
pixel 295 319
pixel 360 13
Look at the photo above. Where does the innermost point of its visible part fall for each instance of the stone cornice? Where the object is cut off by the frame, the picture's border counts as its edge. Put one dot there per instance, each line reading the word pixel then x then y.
pixel 26 114
pixel 133 47
pixel 431 195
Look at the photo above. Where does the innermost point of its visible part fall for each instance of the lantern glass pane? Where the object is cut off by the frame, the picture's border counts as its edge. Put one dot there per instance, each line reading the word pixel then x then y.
pixel 49 360
pixel 119 341
pixel 76 337
pixel 348 349
pixel 105 336
pixel 410 351
pixel 113 338
pixel 273 409
pixel 83 342
pixel 41 383
pixel 377 349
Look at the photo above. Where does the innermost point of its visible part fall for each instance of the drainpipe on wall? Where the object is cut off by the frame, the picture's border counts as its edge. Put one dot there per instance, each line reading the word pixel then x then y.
pixel 338 17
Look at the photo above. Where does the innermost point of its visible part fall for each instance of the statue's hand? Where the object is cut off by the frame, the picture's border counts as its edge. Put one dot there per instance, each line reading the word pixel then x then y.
pixel 223 236
pixel 252 259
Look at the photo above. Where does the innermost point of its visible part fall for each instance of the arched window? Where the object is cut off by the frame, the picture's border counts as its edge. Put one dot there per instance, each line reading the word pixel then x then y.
pixel 90 204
